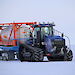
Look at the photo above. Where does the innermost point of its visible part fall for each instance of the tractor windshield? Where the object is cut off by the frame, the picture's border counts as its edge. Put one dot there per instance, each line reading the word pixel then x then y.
pixel 46 30
pixel 43 31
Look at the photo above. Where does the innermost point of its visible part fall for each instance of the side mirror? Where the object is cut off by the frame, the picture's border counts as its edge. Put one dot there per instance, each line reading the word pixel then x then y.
pixel 62 35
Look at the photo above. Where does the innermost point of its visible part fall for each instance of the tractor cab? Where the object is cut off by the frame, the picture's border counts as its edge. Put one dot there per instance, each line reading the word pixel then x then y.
pixel 44 37
pixel 42 30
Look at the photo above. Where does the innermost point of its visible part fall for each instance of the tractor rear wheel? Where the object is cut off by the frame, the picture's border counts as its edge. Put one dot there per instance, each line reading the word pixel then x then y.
pixel 21 51
pixel 37 55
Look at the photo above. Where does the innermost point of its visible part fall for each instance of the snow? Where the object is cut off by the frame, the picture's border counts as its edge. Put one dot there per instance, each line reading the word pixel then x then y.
pixel 38 68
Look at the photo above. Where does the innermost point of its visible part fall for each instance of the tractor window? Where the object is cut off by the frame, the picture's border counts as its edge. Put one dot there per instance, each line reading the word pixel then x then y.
pixel 35 32
pixel 50 31
pixel 46 31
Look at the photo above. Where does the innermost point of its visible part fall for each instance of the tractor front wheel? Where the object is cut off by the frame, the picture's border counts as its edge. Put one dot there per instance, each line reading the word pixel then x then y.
pixel 68 56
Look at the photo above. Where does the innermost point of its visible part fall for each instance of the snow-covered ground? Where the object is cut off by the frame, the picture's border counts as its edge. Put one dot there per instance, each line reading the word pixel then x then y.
pixel 38 68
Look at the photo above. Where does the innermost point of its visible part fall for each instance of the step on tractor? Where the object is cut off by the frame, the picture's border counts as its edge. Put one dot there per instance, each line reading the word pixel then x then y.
pixel 32 41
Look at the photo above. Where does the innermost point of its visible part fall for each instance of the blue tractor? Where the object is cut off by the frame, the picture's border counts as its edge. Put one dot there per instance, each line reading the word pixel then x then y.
pixel 44 42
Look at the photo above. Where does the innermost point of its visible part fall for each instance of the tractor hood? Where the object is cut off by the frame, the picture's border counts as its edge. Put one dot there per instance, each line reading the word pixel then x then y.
pixel 55 37
pixel 51 41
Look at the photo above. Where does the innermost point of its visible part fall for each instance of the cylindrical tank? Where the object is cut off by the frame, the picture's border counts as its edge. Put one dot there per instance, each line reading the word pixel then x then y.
pixel 22 34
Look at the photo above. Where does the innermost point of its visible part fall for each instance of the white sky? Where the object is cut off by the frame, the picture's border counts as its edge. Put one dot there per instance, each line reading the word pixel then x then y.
pixel 62 12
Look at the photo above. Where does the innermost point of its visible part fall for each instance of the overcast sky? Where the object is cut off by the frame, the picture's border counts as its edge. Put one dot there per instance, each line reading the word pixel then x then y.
pixel 61 12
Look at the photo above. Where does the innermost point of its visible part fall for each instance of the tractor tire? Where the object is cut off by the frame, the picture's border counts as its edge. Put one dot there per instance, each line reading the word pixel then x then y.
pixel 8 55
pixel 68 56
pixel 21 50
pixel 4 56
pixel 37 55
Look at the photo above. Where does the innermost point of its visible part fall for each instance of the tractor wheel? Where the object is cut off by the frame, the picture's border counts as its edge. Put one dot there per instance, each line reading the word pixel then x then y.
pixel 9 55
pixel 4 56
pixel 68 56
pixel 21 51
pixel 37 55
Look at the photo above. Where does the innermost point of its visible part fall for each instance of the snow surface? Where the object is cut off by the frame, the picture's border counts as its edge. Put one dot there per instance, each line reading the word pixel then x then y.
pixel 38 68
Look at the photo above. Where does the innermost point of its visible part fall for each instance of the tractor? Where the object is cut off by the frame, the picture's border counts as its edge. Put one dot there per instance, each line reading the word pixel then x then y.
pixel 33 41
pixel 44 42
